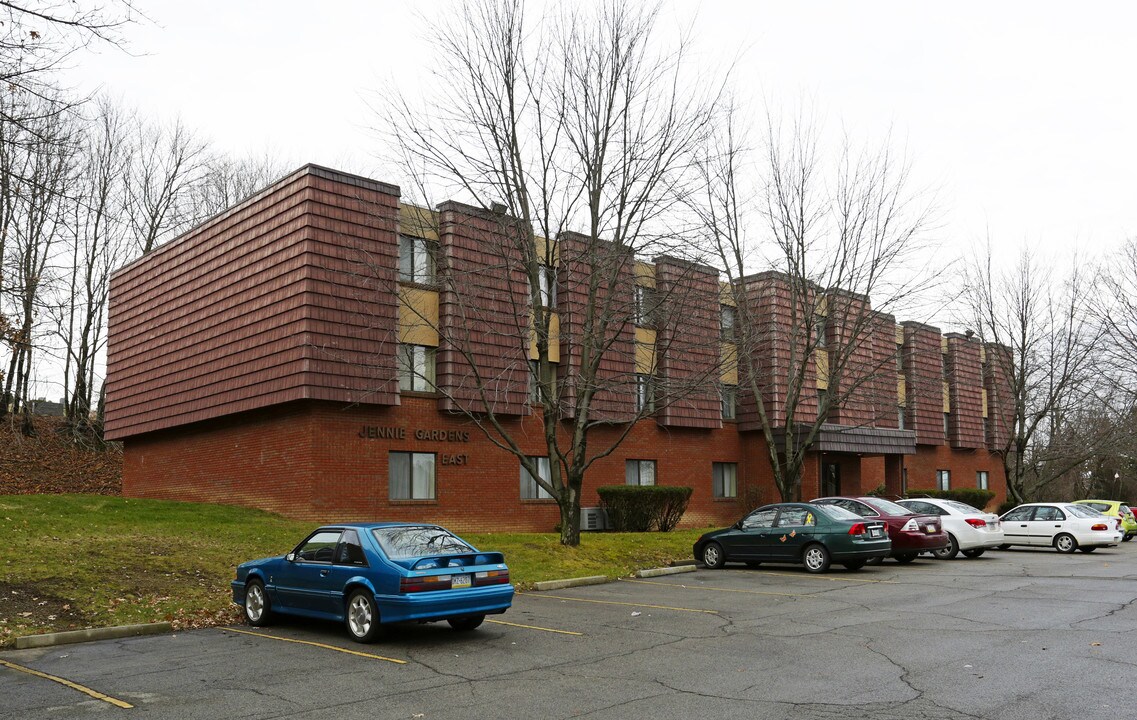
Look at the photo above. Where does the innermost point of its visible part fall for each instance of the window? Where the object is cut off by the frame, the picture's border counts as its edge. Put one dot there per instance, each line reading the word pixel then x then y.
pixel 1019 513
pixel 349 551
pixel 726 321
pixel 416 368
pixel 724 477
pixel 922 507
pixel 795 517
pixel 639 472
pixel 729 394
pixel 900 417
pixel 319 547
pixel 645 306
pixel 759 519
pixel 547 286
pixel 819 332
pixel 943 479
pixel 411 476
pixel 981 480
pixel 947 416
pixel 403 541
pixel 416 259
pixel 645 394
pixel 1048 513
pixel 530 490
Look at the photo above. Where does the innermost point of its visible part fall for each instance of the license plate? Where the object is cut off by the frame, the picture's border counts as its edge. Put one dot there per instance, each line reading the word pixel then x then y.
pixel 875 532
pixel 459 581
pixel 930 528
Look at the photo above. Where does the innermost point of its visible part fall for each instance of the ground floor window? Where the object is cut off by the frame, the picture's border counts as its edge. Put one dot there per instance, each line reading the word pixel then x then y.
pixel 639 472
pixel 725 479
pixel 981 480
pixel 411 476
pixel 943 479
pixel 530 490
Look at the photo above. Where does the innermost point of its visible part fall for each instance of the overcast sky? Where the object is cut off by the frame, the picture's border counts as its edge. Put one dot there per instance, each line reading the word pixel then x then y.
pixel 1022 114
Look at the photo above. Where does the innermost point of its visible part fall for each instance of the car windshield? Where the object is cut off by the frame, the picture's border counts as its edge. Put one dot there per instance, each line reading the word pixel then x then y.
pixel 839 513
pixel 415 541
pixel 888 507
pixel 1081 511
pixel 962 507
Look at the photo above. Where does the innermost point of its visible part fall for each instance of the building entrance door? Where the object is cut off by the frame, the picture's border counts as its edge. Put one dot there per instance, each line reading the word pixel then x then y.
pixel 830 479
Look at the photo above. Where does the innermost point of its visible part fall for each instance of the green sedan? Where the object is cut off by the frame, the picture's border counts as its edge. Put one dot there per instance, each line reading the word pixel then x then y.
pixel 798 533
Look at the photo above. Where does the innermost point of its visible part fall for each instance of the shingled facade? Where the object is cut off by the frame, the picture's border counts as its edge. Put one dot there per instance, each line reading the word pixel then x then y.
pixel 293 354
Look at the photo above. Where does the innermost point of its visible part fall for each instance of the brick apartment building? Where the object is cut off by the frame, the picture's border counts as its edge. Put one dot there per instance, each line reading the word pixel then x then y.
pixel 291 354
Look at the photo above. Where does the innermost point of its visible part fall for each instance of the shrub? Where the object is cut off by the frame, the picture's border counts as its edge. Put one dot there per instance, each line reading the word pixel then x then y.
pixel 640 508
pixel 972 496
pixel 1008 505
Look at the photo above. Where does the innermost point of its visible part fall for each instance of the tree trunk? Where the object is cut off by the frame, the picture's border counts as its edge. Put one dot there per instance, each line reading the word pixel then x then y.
pixel 570 513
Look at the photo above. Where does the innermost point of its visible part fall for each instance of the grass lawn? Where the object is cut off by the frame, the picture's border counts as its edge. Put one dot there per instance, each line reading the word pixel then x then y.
pixel 75 561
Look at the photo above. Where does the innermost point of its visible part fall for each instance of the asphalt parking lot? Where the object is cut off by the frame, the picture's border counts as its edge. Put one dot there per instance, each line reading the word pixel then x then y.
pixel 1013 634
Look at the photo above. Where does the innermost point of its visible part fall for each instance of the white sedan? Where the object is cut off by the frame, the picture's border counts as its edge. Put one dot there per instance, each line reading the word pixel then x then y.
pixel 1065 526
pixel 969 529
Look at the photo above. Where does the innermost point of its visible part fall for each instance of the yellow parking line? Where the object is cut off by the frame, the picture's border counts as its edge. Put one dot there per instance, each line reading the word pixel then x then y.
pixel 74 686
pixel 534 627
pixel 613 602
pixel 316 644
pixel 841 578
pixel 709 587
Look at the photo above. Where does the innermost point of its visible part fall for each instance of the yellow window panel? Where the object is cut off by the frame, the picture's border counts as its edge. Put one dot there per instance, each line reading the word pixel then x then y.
pixel 554 340
pixel 899 334
pixel 418 316
pixel 984 393
pixel 947 398
pixel 726 296
pixel 541 246
pixel 645 274
pixel 821 360
pixel 729 355
pixel 419 222
pixel 901 391
pixel 645 351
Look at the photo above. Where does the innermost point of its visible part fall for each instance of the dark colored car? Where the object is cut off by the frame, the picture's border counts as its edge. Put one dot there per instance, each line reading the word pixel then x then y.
pixel 811 535
pixel 911 533
pixel 372 574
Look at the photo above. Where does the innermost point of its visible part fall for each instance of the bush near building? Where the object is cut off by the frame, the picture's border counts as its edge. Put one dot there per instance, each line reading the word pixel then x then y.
pixel 642 508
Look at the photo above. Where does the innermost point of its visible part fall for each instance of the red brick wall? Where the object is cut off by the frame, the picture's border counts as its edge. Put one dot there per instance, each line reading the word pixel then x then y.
pixel 256 307
pixel 484 309
pixel 963 465
pixel 689 347
pixel 306 460
pixel 965 382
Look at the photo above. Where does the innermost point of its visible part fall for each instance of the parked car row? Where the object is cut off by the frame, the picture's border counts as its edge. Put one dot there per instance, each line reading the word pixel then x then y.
pixel 855 531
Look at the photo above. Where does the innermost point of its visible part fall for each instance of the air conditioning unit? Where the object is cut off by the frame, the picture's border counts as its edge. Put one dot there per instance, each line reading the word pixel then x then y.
pixel 593 518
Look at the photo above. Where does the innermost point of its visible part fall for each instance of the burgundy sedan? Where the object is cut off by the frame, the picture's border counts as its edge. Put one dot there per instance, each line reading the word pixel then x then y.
pixel 911 533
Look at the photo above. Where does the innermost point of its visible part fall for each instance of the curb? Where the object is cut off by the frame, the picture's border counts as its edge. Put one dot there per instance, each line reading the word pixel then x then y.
pixel 570 582
pixel 656 572
pixel 89 634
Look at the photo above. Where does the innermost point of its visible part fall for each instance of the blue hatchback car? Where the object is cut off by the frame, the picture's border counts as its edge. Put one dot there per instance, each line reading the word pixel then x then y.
pixel 372 574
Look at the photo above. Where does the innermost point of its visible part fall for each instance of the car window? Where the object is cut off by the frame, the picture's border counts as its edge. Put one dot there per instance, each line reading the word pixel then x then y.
pixel 857 508
pixel 795 517
pixel 1019 513
pixel 321 547
pixel 1048 513
pixel 888 507
pixel 417 540
pixel 1124 509
pixel 837 512
pixel 759 519
pixel 962 507
pixel 1083 511
pixel 921 507
pixel 1100 507
pixel 349 551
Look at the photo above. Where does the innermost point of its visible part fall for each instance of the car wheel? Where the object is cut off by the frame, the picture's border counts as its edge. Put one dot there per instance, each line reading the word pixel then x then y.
pixel 816 558
pixel 854 564
pixel 1127 537
pixel 874 561
pixel 905 558
pixel 465 624
pixel 258 608
pixel 362 617
pixel 754 564
pixel 713 556
pixel 1065 543
pixel 973 553
pixel 1087 549
pixel 949 552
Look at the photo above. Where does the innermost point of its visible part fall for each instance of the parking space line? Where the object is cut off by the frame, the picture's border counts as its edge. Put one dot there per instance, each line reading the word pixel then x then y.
pixel 534 627
pixel 826 577
pixel 74 686
pixel 316 644
pixel 614 602
pixel 711 587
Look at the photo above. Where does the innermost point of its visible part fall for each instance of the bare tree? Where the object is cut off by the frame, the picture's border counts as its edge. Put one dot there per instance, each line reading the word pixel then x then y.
pixel 818 249
pixel 166 166
pixel 225 181
pixel 1046 344
pixel 570 137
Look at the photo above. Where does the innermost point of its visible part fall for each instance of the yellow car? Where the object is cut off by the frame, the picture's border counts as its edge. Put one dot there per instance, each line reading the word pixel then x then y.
pixel 1115 509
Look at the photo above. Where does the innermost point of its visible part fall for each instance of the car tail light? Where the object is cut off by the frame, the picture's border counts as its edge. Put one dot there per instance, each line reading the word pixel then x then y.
pixel 976 522
pixel 858 529
pixel 424 583
pixel 1099 526
pixel 492 577
pixel 911 526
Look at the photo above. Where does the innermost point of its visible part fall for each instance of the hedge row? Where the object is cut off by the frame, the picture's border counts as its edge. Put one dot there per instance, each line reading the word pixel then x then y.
pixel 640 508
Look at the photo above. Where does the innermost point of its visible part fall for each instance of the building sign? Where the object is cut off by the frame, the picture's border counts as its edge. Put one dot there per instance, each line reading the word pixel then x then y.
pixel 380 432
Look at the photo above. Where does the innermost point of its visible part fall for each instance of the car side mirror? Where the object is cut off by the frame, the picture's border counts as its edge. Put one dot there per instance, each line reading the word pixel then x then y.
pixel 290 557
